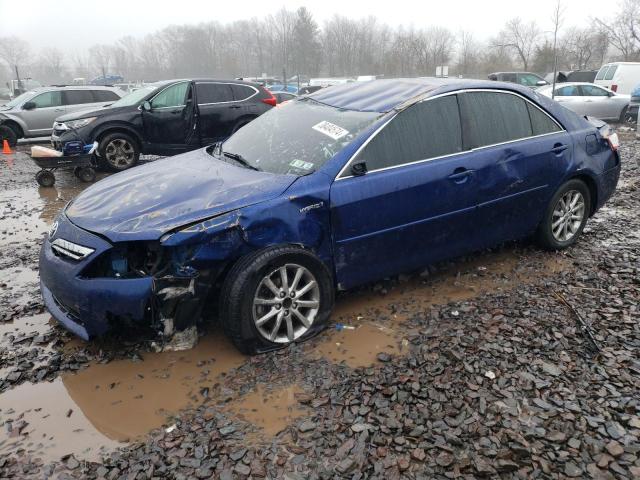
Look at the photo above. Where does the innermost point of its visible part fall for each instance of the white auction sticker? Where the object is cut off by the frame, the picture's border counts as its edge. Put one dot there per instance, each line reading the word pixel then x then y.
pixel 301 164
pixel 330 130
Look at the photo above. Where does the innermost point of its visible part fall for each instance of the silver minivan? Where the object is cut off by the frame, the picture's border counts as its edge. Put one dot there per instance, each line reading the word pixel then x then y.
pixel 32 114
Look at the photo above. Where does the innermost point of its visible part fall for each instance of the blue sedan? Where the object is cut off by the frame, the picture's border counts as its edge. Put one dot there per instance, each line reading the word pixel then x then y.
pixel 326 192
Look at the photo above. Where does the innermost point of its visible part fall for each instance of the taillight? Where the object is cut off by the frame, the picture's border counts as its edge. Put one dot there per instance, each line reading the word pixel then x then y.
pixel 612 138
pixel 614 88
pixel 270 100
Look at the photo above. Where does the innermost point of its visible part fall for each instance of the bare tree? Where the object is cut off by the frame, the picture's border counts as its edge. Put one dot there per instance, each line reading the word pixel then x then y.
pixel 15 52
pixel 623 31
pixel 100 56
pixel 468 54
pixel 521 37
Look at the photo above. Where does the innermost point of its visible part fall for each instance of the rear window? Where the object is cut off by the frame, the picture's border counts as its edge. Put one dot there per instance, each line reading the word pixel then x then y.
pixel 321 131
pixel 602 72
pixel 77 97
pixel 105 96
pixel 491 117
pixel 541 123
pixel 213 93
pixel 426 130
pixel 611 72
pixel 242 92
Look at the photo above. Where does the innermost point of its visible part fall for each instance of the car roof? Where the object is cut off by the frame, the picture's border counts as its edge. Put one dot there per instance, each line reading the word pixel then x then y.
pixel 71 87
pixel 385 95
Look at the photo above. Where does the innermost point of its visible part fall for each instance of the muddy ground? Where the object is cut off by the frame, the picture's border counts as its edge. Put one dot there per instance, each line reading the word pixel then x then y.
pixel 472 368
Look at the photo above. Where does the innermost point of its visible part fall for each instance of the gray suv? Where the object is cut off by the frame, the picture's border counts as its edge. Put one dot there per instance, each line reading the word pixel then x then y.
pixel 32 114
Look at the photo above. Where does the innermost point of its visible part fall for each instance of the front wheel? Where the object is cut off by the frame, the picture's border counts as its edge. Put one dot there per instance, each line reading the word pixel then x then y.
pixel 275 297
pixel 565 216
pixel 118 151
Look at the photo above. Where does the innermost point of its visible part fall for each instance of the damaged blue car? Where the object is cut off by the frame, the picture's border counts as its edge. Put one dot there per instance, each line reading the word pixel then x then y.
pixel 323 193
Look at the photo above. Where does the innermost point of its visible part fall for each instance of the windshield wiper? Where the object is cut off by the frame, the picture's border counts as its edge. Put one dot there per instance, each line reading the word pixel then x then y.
pixel 241 160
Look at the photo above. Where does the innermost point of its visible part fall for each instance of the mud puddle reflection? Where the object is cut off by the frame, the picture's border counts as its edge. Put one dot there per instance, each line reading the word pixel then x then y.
pixel 374 318
pixel 113 402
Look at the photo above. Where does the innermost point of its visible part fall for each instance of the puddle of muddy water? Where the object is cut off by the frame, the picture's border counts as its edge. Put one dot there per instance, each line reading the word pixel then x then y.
pixel 270 410
pixel 50 431
pixel 358 346
pixel 113 402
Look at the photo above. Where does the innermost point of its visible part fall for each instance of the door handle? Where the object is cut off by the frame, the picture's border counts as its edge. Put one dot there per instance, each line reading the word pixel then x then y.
pixel 234 106
pixel 460 175
pixel 559 148
pixel 59 110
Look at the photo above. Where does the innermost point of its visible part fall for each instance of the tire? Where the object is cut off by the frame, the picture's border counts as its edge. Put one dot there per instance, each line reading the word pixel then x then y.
pixel 118 151
pixel 8 134
pixel 45 178
pixel 86 174
pixel 624 118
pixel 245 284
pixel 556 234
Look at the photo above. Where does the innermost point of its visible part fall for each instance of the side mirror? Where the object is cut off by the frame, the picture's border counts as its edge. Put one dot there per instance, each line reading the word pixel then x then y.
pixel 29 105
pixel 146 106
pixel 358 169
pixel 541 83
pixel 611 94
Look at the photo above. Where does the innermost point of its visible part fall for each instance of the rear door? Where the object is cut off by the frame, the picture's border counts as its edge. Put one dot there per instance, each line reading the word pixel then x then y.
pixel 48 106
pixel 570 96
pixel 416 203
pixel 218 111
pixel 169 124
pixel 77 100
pixel 520 155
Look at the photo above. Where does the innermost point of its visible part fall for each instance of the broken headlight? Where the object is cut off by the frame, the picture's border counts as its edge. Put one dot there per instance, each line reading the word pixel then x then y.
pixel 138 259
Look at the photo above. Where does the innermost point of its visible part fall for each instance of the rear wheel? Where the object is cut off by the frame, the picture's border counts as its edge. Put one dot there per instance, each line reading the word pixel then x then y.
pixel 275 297
pixel 625 117
pixel 8 134
pixel 566 216
pixel 86 174
pixel 118 151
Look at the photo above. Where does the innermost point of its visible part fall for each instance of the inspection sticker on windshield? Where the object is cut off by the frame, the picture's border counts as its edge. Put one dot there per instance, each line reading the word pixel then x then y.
pixel 301 164
pixel 330 130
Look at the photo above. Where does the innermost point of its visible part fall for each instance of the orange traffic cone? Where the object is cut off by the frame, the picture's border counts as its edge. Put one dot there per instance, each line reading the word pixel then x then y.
pixel 6 149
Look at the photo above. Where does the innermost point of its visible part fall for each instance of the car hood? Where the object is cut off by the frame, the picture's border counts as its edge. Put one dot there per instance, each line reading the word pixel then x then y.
pixel 147 201
pixel 92 112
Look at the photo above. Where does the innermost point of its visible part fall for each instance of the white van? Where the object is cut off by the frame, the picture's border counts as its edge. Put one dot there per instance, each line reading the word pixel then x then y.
pixel 619 77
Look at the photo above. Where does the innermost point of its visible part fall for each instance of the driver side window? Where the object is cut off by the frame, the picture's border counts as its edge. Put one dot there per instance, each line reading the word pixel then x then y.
pixel 173 96
pixel 48 99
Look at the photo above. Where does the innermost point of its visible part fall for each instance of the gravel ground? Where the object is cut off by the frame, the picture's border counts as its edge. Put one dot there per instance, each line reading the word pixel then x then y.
pixel 497 381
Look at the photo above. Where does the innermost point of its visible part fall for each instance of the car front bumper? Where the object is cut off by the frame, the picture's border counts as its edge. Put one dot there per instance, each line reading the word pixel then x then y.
pixel 86 306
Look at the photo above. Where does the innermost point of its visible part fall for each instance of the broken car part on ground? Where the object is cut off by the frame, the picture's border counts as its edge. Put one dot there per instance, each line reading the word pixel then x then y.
pixel 264 228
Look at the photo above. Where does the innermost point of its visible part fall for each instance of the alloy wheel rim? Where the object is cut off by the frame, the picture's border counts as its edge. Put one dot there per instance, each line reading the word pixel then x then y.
pixel 568 216
pixel 286 303
pixel 119 153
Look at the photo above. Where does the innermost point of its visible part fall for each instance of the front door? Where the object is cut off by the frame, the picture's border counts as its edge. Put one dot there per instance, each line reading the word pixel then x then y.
pixel 416 203
pixel 48 107
pixel 169 124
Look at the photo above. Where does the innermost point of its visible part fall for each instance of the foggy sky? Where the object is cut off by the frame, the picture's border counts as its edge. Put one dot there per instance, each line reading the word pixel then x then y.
pixel 74 25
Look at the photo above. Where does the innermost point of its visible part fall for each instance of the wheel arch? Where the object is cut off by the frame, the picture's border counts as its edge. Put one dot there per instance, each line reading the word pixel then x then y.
pixel 15 126
pixel 593 189
pixel 119 129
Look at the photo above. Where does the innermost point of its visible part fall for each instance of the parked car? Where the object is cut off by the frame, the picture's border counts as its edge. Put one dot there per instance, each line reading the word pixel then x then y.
pixel 164 119
pixel 279 87
pixel 634 105
pixel 32 114
pixel 590 99
pixel 619 77
pixel 527 79
pixel 309 89
pixel 282 97
pixel 343 187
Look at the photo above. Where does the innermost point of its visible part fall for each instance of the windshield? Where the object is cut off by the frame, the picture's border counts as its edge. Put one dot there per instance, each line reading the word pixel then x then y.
pixel 297 137
pixel 20 99
pixel 135 97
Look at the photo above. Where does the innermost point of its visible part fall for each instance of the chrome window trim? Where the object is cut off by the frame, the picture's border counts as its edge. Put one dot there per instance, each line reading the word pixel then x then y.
pixel 255 92
pixel 468 90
